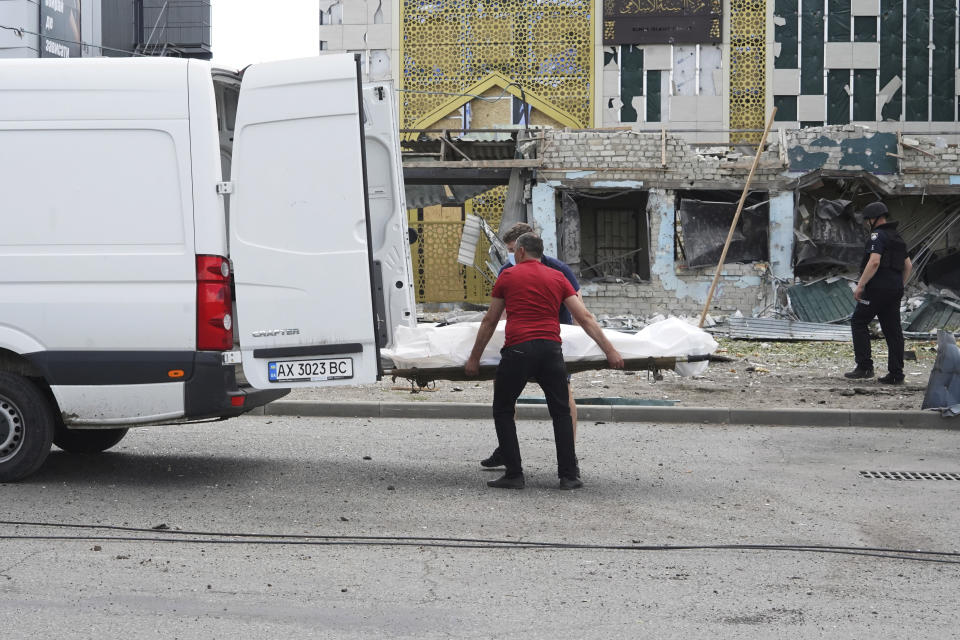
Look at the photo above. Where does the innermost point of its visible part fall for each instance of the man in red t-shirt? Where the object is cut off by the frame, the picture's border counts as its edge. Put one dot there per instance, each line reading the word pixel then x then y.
pixel 532 294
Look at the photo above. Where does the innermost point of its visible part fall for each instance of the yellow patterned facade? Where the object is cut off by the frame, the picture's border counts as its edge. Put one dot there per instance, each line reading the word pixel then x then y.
pixel 455 50
pixel 544 46
pixel 748 67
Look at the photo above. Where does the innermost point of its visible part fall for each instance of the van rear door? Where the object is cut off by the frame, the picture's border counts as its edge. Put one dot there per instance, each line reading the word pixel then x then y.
pixel 299 226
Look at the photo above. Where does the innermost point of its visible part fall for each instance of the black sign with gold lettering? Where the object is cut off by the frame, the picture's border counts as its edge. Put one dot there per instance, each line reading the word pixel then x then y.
pixel 60 26
pixel 662 21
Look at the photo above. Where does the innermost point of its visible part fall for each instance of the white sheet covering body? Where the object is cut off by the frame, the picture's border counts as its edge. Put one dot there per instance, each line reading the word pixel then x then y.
pixel 430 346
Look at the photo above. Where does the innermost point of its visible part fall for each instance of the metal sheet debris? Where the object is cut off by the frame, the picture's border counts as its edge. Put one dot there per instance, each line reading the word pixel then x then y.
pixel 823 301
pixel 937 312
pixel 944 271
pixel 830 238
pixel 778 329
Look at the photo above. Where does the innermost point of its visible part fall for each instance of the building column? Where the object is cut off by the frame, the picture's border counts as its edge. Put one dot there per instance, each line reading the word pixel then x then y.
pixel 781 235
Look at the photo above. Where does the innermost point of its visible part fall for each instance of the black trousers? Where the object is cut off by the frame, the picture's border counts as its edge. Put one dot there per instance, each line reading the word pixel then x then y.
pixel 883 304
pixel 543 360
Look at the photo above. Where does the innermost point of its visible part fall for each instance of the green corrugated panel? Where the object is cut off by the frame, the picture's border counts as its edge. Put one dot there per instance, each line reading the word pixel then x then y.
pixel 838 20
pixel 838 100
pixel 944 55
pixel 631 80
pixel 916 84
pixel 787 35
pixel 822 301
pixel 653 96
pixel 891 54
pixel 864 94
pixel 864 29
pixel 811 48
pixel 786 108
pixel 934 313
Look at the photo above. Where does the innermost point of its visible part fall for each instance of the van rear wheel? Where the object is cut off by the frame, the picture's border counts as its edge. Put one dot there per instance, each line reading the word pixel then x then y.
pixel 26 427
pixel 87 440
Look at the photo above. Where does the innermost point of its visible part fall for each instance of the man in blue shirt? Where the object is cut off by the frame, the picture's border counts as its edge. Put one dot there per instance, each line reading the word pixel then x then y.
pixel 510 239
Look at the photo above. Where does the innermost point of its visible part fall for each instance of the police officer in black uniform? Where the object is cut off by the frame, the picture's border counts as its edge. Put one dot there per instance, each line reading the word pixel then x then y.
pixel 884 272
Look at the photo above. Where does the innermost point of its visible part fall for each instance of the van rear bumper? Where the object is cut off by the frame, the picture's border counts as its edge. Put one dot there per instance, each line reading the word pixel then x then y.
pixel 213 392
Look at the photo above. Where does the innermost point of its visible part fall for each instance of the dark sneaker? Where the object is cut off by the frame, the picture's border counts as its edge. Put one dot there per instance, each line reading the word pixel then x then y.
pixel 570 483
pixel 891 379
pixel 495 460
pixel 507 482
pixel 859 374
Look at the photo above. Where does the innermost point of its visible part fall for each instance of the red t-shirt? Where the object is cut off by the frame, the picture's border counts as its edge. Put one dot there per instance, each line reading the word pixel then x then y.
pixel 533 293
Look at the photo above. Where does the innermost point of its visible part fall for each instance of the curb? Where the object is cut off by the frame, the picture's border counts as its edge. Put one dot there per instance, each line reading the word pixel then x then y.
pixel 606 413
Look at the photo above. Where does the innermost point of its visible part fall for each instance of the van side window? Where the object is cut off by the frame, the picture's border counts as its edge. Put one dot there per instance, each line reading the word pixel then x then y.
pixel 230 99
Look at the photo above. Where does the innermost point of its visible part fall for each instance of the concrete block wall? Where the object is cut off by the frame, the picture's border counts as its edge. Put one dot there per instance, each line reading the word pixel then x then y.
pixel 638 155
pixel 931 160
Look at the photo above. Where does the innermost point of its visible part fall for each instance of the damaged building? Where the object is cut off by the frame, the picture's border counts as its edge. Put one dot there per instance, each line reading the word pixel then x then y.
pixel 627 141
pixel 799 222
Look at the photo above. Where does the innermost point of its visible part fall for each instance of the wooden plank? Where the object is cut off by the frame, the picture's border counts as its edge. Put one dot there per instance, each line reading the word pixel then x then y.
pixel 488 372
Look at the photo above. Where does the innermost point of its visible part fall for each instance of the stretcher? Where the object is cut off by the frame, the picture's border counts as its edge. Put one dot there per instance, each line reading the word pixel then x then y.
pixel 424 376
pixel 425 354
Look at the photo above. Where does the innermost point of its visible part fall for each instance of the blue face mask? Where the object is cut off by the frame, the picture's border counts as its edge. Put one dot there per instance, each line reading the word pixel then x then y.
pixel 511 258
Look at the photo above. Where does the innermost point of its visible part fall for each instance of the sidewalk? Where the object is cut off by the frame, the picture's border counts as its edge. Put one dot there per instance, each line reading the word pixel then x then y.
pixel 607 413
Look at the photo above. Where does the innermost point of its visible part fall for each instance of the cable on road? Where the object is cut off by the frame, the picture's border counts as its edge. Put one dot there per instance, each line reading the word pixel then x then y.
pixel 173 536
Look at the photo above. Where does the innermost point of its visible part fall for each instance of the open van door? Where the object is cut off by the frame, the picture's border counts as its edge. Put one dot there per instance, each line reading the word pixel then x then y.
pixel 299 226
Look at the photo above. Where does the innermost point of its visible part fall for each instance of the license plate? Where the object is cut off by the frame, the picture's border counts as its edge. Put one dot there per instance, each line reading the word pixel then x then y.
pixel 311 370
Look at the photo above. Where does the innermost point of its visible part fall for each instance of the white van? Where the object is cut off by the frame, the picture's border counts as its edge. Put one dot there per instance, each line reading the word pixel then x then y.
pixel 128 294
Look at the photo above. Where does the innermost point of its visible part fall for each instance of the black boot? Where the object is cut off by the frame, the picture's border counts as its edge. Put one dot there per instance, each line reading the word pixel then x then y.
pixel 891 378
pixel 859 374
pixel 495 460
pixel 507 482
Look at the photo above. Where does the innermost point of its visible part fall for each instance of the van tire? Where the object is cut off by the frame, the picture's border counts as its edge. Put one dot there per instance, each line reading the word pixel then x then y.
pixel 26 427
pixel 87 440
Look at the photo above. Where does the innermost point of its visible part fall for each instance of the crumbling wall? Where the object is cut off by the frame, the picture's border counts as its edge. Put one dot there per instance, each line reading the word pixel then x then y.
pixel 630 159
pixel 929 161
pixel 644 155
pixel 581 158
pixel 896 160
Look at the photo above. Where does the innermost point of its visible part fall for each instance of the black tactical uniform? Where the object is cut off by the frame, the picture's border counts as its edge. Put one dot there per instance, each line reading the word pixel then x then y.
pixel 881 299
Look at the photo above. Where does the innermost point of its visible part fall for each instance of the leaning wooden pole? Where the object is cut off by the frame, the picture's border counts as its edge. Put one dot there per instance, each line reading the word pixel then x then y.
pixel 736 218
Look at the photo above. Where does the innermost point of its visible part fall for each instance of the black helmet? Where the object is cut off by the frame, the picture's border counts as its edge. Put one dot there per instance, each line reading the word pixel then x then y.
pixel 874 210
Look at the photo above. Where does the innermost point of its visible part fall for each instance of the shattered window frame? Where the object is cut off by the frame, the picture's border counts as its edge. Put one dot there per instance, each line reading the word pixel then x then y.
pixel 632 260
pixel 754 220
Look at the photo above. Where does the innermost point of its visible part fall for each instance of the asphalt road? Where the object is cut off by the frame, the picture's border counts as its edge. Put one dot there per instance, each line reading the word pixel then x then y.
pixel 645 485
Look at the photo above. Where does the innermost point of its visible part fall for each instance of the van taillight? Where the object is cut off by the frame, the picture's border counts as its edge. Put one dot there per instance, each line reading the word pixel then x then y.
pixel 214 304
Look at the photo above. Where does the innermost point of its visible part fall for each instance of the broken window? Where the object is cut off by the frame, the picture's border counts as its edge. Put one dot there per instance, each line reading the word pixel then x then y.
pixel 613 240
pixel 827 235
pixel 703 222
